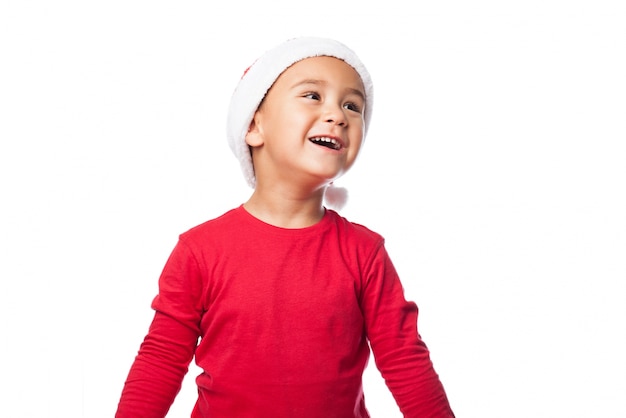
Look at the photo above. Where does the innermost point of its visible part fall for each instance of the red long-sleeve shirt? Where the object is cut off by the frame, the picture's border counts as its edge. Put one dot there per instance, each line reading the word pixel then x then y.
pixel 284 317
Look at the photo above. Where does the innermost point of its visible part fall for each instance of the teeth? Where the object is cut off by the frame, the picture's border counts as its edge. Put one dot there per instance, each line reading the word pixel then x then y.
pixel 335 144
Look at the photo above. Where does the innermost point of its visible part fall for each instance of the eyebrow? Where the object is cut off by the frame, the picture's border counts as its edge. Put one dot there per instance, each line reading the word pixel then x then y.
pixel 358 92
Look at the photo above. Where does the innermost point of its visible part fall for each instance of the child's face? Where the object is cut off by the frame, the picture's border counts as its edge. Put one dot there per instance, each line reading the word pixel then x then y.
pixel 310 124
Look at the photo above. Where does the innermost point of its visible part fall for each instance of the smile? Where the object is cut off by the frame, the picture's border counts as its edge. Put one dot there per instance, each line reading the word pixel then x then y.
pixel 326 142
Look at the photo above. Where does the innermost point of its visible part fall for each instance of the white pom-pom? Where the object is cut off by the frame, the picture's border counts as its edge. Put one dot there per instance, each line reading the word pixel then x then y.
pixel 335 197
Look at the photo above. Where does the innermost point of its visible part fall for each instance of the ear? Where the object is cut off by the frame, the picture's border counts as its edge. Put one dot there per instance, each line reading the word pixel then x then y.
pixel 254 137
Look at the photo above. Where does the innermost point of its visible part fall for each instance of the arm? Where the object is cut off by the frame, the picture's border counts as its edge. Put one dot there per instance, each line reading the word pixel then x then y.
pixel 400 354
pixel 156 375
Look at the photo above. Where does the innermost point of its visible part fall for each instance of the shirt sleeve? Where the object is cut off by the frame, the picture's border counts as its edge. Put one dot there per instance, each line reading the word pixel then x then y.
pixel 399 352
pixel 157 372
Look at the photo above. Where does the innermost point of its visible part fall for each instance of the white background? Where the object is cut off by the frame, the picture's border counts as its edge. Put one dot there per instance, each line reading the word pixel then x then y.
pixel 495 167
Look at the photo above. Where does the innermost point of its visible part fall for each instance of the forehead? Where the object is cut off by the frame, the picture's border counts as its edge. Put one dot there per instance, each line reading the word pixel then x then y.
pixel 323 69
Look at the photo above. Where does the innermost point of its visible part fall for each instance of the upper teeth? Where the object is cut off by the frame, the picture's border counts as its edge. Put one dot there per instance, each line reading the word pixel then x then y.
pixel 327 139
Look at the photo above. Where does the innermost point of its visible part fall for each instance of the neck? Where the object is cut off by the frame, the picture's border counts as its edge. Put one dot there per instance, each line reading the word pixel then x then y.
pixel 286 209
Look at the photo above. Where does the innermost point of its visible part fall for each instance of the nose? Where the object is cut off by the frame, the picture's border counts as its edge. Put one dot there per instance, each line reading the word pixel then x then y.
pixel 334 114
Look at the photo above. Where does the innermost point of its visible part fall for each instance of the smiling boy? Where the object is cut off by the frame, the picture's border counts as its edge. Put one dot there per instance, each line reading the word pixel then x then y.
pixel 285 295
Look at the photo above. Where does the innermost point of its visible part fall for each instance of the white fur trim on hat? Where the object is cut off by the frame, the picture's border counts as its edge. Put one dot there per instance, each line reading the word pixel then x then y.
pixel 262 74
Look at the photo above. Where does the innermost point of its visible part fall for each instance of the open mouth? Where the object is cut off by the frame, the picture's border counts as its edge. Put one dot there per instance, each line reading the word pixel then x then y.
pixel 327 142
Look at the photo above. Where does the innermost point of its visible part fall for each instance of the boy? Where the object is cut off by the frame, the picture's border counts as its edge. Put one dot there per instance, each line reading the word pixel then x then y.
pixel 284 294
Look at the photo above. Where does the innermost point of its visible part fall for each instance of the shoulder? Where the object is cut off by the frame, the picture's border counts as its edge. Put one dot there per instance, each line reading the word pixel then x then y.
pixel 355 231
pixel 219 226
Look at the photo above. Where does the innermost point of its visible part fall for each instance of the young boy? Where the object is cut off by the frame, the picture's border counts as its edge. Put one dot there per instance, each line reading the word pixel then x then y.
pixel 284 294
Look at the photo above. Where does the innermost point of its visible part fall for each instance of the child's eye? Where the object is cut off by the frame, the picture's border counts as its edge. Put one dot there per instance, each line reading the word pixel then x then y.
pixel 353 107
pixel 312 95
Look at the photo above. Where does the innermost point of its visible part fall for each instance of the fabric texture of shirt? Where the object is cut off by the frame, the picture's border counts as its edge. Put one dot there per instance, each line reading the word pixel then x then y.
pixel 281 322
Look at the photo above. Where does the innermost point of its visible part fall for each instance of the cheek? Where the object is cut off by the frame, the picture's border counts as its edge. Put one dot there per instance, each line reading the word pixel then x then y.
pixel 289 119
pixel 355 149
pixel 357 133
pixel 356 145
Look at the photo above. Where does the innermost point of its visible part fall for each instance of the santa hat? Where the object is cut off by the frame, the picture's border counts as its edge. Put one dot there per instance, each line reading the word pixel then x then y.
pixel 262 74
